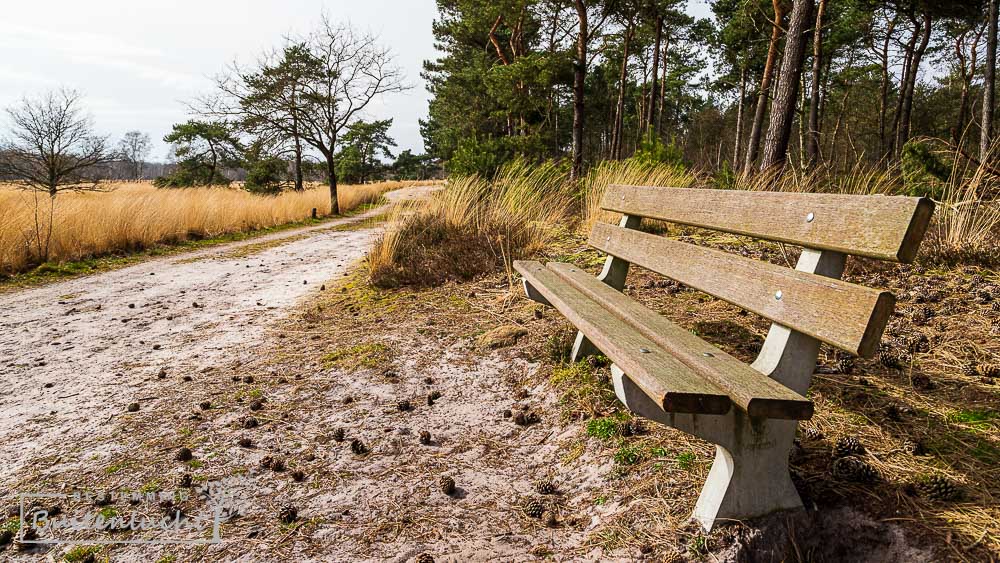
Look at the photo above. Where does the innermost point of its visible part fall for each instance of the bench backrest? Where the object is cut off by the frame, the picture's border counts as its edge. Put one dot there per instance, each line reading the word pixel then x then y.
pixel 842 314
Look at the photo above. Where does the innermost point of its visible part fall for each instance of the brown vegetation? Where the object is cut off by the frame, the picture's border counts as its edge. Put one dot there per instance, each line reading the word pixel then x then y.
pixel 125 217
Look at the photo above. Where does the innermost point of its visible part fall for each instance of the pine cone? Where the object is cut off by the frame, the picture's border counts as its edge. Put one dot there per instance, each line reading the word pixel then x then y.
pixel 921 315
pixel 976 280
pixel 425 437
pixel 534 508
pixel 358 447
pixel 890 358
pixel 988 370
pixel 812 433
pixel 184 454
pixel 918 344
pixel 447 485
pixel 914 447
pixel 848 446
pixel 545 487
pixel 845 364
pixel 424 558
pixel 338 435
pixel 939 487
pixel 404 406
pixel 995 307
pixel 273 463
pixel 288 514
pixel 852 468
pixel 970 369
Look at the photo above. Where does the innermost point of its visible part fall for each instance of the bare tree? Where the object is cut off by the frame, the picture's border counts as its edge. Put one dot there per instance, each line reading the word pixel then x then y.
pixel 53 146
pixel 134 147
pixel 346 72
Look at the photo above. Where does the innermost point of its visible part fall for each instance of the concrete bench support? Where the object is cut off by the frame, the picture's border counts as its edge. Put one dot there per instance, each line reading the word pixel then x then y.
pixel 750 475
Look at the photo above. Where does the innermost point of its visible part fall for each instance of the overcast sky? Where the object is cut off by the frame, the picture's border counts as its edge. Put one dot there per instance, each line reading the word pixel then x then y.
pixel 137 61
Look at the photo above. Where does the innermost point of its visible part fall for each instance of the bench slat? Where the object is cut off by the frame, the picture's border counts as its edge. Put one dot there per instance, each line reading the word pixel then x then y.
pixel 883 227
pixel 672 384
pixel 842 314
pixel 754 392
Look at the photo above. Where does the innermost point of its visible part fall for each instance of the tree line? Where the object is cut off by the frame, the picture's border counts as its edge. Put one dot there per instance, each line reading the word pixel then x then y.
pixel 300 111
pixel 762 85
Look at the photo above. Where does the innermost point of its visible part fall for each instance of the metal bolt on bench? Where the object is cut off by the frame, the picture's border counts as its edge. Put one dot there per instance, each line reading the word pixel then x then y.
pixel 664 373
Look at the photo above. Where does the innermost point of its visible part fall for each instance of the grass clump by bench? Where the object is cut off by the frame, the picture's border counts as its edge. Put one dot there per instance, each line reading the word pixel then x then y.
pixel 473 226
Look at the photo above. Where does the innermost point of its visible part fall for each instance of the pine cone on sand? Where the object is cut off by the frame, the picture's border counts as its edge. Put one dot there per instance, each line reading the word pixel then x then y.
pixel 545 487
pixel 447 485
pixel 534 508
pixel 288 514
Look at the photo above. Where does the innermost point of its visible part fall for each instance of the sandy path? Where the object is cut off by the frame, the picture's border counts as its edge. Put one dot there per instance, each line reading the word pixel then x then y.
pixel 74 354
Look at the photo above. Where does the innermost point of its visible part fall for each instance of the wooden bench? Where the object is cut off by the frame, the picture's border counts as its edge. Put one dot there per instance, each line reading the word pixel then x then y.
pixel 664 373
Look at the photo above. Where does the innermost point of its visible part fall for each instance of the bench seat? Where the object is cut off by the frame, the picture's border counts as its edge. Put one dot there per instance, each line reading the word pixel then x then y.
pixel 689 374
pixel 675 386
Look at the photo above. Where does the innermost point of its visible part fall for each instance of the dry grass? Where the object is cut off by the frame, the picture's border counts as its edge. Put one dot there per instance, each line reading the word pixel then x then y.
pixel 625 172
pixel 131 216
pixel 472 227
pixel 966 223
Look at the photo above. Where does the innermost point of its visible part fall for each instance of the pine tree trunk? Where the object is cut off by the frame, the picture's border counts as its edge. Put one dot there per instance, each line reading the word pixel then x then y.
pixel 616 137
pixel 739 118
pixel 883 100
pixel 753 144
pixel 783 109
pixel 656 68
pixel 904 80
pixel 812 145
pixel 989 83
pixel 579 80
pixel 904 120
pixel 663 89
pixel 299 185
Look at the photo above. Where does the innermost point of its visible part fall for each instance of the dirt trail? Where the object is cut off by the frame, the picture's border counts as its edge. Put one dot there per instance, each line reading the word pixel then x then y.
pixel 74 354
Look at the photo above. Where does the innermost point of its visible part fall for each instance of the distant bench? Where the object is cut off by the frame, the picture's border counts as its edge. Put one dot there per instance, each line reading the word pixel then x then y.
pixel 665 373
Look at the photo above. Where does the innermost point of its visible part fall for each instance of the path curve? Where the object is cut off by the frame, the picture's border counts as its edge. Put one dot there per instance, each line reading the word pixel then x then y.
pixel 75 354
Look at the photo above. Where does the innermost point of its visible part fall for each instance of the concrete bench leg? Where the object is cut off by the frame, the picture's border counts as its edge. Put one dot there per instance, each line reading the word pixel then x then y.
pixel 614 274
pixel 749 477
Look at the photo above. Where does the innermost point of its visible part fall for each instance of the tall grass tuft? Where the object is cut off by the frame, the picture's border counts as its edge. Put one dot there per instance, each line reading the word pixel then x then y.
pixel 967 224
pixel 133 216
pixel 474 226
pixel 625 172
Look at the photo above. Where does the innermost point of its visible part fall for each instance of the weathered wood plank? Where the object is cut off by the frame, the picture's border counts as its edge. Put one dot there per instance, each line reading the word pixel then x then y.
pixel 669 382
pixel 754 392
pixel 842 314
pixel 883 227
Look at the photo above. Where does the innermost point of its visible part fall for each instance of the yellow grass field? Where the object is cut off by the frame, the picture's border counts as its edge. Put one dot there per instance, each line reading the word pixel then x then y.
pixel 126 217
